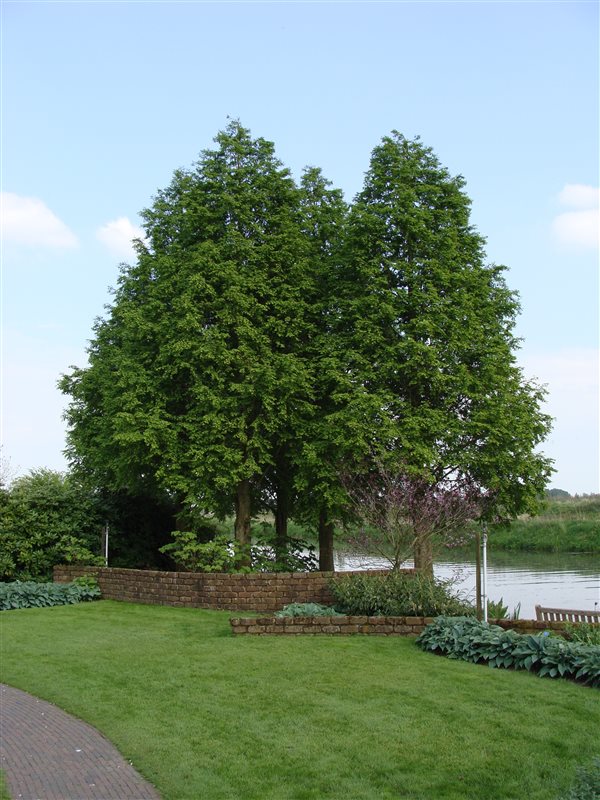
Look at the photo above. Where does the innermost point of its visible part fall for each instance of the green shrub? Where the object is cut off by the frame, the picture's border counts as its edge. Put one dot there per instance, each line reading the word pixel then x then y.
pixel 197 556
pixel 87 582
pixel 583 632
pixel 306 610
pixel 190 553
pixel 468 639
pixel 396 594
pixel 37 595
pixel 47 518
pixel 587 783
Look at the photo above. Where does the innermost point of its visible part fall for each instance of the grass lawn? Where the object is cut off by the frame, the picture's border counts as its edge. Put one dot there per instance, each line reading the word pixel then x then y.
pixel 3 789
pixel 204 715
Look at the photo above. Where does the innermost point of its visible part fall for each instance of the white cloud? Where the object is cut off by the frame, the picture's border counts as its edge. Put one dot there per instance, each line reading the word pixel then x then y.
pixel 118 235
pixel 572 377
pixel 580 227
pixel 578 195
pixel 29 221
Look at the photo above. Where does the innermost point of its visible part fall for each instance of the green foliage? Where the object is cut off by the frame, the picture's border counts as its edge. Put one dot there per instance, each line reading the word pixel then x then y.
pixel 569 526
pixel 193 555
pixel 587 783
pixel 307 610
pixel 267 339
pixel 497 610
pixel 395 594
pixel 196 377
pixel 433 332
pixel 471 640
pixel 189 552
pixel 583 632
pixel 86 582
pixel 47 518
pixel 28 594
pixel 298 556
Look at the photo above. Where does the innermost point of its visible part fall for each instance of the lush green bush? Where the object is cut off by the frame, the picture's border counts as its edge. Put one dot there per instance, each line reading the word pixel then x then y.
pixel 47 518
pixel 468 639
pixel 37 595
pixel 583 632
pixel 193 555
pixel 587 783
pixel 395 594
pixel 306 610
pixel 190 552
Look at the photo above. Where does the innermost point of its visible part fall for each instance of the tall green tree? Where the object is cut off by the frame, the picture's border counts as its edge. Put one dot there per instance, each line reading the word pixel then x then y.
pixel 343 416
pixel 196 371
pixel 266 340
pixel 433 336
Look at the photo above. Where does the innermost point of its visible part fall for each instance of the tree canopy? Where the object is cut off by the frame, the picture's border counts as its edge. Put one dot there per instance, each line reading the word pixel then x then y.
pixel 269 338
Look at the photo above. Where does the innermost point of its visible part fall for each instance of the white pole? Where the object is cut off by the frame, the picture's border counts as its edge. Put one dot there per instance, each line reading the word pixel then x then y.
pixel 106 544
pixel 484 578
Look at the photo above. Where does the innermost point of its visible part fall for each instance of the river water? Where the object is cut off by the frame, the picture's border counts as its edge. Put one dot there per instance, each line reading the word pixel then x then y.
pixel 558 580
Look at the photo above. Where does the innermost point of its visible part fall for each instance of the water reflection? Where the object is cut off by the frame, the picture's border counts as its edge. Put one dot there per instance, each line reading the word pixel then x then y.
pixel 561 580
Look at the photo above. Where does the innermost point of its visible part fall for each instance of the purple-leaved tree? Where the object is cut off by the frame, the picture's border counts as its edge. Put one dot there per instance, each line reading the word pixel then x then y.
pixel 403 513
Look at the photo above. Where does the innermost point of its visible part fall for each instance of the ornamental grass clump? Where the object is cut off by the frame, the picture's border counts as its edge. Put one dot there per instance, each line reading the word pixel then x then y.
pixel 29 594
pixel 396 594
pixel 481 643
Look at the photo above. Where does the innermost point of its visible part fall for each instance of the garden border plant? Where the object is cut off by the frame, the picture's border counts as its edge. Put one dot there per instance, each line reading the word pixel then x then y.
pixel 469 639
pixel 396 594
pixel 28 594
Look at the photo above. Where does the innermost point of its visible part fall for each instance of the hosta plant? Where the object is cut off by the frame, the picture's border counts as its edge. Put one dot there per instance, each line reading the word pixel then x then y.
pixel 470 640
pixel 307 610
pixel 29 594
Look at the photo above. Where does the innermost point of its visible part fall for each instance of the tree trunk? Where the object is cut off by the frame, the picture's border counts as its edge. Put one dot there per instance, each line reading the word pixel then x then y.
pixel 325 543
pixel 423 555
pixel 242 523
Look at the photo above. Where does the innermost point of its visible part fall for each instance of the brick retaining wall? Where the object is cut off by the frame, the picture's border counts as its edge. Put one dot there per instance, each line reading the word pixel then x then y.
pixel 295 626
pixel 256 591
pixel 377 626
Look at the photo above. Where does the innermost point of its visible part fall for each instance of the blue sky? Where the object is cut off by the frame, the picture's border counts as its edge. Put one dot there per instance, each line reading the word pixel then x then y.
pixel 102 101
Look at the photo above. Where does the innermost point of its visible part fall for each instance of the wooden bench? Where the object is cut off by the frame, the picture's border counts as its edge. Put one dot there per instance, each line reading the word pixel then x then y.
pixel 566 615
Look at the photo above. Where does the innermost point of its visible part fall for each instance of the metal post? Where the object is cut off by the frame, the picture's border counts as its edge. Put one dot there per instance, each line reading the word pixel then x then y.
pixel 106 544
pixel 484 578
pixel 478 574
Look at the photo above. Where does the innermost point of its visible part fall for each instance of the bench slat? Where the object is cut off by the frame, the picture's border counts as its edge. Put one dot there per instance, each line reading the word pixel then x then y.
pixel 566 615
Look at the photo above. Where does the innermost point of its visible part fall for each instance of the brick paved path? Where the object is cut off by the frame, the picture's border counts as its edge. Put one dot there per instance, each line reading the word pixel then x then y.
pixel 47 754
